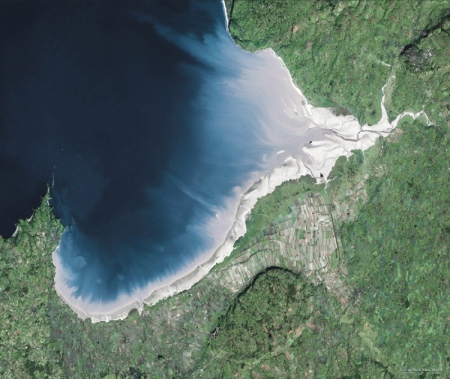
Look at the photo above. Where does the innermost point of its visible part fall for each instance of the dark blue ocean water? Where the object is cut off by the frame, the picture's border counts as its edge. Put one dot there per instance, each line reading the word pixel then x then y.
pixel 113 103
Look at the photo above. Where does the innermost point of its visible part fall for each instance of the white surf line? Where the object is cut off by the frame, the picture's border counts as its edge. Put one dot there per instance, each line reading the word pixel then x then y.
pixel 226 15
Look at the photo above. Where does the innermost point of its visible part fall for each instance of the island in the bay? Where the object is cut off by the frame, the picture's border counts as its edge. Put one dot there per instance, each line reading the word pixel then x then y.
pixel 342 272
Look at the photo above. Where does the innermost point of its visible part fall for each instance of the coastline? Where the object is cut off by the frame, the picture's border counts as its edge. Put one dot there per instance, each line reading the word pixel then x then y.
pixel 18 225
pixel 346 134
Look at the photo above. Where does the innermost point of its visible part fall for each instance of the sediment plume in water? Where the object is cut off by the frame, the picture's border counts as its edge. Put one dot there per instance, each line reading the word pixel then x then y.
pixel 161 134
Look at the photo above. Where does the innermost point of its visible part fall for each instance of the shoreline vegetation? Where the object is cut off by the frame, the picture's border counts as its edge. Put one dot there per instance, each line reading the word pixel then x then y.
pixel 360 46
pixel 330 312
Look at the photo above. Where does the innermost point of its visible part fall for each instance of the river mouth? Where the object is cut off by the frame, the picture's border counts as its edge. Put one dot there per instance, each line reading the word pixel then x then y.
pixel 160 134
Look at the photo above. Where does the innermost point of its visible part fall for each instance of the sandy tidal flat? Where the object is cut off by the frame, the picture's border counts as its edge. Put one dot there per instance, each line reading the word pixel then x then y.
pixel 297 139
